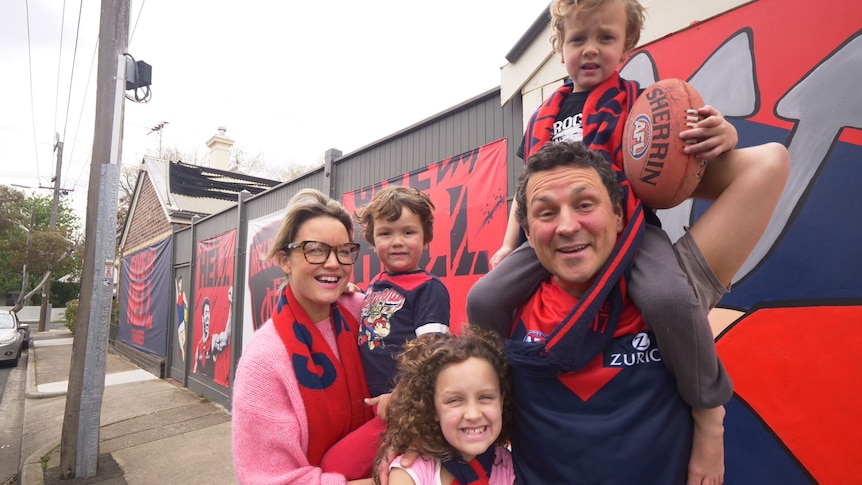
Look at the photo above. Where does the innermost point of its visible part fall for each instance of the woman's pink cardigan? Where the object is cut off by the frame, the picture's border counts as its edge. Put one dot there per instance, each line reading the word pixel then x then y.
pixel 270 432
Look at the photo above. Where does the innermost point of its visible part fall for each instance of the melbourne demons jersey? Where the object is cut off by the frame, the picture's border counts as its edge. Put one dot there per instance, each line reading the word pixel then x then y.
pixel 618 420
pixel 397 308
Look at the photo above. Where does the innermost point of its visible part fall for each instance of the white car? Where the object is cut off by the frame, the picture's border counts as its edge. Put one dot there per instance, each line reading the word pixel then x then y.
pixel 11 338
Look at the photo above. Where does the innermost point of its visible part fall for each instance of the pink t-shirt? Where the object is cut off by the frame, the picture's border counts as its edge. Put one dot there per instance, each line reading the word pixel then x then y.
pixel 426 471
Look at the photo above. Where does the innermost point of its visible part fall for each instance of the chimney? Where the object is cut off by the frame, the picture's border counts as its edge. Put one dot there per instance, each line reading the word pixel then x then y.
pixel 219 145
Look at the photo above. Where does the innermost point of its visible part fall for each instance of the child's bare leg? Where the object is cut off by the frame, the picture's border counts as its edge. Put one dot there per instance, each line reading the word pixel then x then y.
pixel 706 465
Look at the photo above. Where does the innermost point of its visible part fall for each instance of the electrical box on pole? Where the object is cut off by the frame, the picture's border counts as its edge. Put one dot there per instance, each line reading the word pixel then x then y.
pixel 139 74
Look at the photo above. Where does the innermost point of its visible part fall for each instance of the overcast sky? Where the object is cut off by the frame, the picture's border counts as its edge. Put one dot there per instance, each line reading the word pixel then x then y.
pixel 287 79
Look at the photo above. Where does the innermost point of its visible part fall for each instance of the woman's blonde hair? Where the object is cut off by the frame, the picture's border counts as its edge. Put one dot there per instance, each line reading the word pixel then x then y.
pixel 307 204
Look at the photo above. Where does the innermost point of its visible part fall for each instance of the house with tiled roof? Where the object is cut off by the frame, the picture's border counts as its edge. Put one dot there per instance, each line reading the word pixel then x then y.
pixel 167 197
pixel 169 193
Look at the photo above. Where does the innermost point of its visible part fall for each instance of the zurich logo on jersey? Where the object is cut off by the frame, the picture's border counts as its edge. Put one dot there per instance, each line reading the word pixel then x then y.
pixel 644 351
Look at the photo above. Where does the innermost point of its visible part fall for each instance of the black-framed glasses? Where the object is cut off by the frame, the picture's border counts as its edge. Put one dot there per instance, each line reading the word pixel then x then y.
pixel 317 252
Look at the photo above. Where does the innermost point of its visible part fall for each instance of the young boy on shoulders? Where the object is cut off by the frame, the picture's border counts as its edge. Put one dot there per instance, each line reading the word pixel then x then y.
pixel 593 37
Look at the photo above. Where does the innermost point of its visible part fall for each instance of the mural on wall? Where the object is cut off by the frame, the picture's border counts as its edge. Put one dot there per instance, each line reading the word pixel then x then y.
pixel 464 223
pixel 181 310
pixel 262 277
pixel 469 194
pixel 213 307
pixel 145 289
pixel 790 329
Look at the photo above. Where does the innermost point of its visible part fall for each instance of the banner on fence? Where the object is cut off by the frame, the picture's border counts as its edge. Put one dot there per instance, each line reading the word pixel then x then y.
pixel 212 307
pixel 469 192
pixel 145 286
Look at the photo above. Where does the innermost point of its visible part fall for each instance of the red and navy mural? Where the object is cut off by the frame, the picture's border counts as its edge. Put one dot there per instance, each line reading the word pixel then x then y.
pixel 469 192
pixel 213 299
pixel 145 290
pixel 788 332
pixel 263 277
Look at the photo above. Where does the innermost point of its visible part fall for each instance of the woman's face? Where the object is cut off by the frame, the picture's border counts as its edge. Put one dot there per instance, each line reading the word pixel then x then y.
pixel 317 286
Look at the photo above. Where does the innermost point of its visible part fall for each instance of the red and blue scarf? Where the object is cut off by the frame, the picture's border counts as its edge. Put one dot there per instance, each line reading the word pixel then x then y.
pixel 476 472
pixel 587 329
pixel 332 389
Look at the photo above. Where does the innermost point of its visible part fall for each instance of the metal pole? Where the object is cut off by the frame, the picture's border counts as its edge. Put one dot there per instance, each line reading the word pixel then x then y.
pixel 45 310
pixel 79 444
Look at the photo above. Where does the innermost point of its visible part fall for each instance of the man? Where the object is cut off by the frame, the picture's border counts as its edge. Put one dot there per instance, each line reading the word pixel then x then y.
pixel 182 316
pixel 207 350
pixel 594 402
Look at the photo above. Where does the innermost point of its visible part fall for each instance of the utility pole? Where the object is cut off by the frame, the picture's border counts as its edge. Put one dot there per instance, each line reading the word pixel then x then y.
pixel 158 129
pixel 79 445
pixel 44 312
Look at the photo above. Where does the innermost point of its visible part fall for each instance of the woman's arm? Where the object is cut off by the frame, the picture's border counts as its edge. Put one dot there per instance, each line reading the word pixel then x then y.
pixel 270 433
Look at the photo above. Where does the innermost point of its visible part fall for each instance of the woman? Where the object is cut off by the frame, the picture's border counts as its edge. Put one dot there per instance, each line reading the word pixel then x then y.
pixel 300 386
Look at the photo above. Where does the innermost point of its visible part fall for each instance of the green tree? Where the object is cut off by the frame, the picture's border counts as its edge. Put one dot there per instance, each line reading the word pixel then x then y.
pixel 12 219
pixel 26 238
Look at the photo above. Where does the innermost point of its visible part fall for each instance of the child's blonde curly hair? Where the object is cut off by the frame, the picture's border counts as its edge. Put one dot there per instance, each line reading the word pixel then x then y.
pixel 560 9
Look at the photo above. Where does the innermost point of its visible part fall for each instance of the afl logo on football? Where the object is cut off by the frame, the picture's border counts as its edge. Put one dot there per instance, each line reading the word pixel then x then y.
pixel 640 136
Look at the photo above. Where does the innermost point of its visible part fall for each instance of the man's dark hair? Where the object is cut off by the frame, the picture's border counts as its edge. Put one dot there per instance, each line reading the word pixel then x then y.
pixel 566 154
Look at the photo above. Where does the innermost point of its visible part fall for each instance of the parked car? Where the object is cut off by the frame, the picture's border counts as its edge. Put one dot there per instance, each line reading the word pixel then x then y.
pixel 24 328
pixel 11 338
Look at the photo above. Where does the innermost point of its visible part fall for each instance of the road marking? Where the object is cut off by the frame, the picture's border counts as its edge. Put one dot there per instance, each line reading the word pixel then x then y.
pixel 51 342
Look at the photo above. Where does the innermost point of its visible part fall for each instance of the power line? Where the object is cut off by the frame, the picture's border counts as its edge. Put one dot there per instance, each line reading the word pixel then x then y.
pixel 59 65
pixel 136 21
pixel 81 115
pixel 32 105
pixel 72 75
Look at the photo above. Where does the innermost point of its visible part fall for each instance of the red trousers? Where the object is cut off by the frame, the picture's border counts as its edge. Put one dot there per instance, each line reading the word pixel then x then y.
pixel 353 456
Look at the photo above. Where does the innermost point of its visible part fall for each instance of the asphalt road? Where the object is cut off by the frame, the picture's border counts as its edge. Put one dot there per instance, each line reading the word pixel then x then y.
pixel 12 387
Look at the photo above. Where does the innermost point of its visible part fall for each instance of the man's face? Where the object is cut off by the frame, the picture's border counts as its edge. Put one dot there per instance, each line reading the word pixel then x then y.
pixel 179 285
pixel 572 224
pixel 205 321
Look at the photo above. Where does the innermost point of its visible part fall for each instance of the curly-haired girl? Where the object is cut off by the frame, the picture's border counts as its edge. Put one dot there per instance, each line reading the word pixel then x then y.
pixel 452 404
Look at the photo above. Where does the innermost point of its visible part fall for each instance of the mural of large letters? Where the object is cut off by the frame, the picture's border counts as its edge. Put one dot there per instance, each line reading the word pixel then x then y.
pixel 262 277
pixel 145 286
pixel 212 314
pixel 469 193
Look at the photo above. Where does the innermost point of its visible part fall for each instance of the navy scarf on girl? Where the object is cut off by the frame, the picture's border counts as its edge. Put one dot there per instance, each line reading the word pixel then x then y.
pixel 476 472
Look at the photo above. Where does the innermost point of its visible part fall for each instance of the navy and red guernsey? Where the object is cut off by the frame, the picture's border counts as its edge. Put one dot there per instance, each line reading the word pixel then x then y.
pixel 619 419
pixel 398 307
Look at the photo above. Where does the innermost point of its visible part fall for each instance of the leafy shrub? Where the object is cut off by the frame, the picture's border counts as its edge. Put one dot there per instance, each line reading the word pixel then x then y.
pixel 71 314
pixel 62 292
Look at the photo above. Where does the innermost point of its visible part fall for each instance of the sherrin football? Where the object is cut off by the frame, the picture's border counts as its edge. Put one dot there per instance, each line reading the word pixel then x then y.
pixel 661 174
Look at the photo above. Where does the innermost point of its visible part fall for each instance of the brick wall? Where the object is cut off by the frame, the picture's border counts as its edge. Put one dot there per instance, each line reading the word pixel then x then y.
pixel 149 222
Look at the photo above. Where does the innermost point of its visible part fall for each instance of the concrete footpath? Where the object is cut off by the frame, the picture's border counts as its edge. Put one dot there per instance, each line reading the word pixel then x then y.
pixel 152 431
